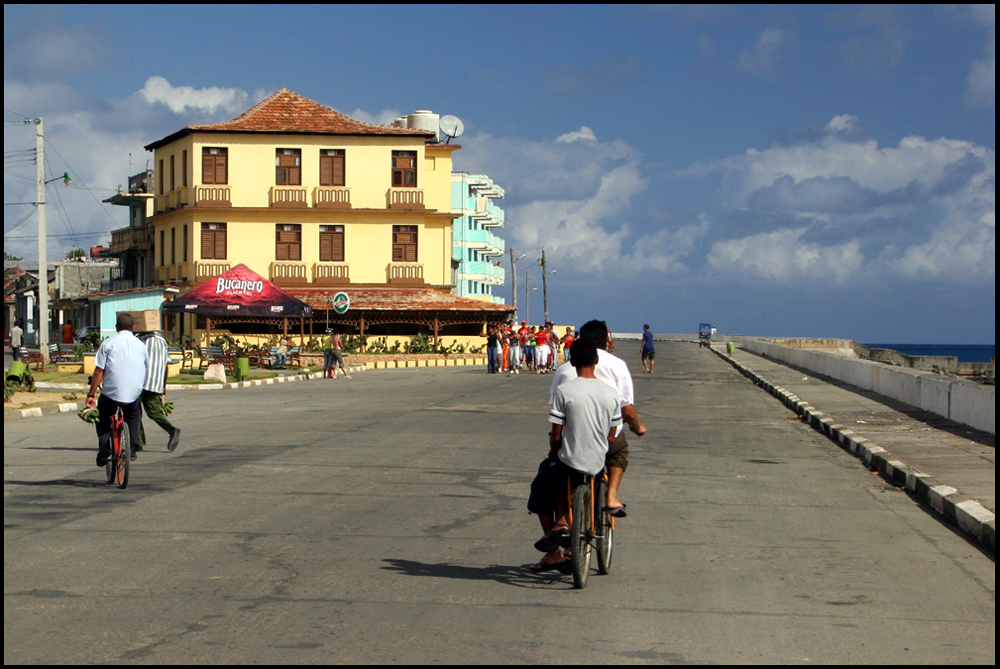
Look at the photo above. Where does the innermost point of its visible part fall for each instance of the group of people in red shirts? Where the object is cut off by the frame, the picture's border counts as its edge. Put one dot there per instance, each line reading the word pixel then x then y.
pixel 530 348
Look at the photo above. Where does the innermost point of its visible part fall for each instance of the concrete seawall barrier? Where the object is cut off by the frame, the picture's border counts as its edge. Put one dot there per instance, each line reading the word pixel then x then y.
pixel 961 401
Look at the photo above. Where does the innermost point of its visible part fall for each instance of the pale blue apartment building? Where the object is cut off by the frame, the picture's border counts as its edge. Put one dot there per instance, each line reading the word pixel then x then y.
pixel 477 253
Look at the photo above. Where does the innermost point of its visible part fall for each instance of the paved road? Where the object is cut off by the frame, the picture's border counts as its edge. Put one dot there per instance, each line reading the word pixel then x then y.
pixel 382 520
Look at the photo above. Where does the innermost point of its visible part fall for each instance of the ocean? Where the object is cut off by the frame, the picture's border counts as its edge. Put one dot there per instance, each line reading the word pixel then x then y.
pixel 964 353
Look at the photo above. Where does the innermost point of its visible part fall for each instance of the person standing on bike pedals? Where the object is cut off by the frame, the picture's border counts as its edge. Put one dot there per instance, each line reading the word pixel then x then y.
pixel 154 388
pixel 614 372
pixel 585 414
pixel 121 364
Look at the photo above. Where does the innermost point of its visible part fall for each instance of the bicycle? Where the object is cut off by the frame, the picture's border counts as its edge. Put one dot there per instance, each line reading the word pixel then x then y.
pixel 117 466
pixel 586 535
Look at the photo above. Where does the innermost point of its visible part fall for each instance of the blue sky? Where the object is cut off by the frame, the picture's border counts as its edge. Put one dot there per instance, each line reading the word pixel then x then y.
pixel 818 171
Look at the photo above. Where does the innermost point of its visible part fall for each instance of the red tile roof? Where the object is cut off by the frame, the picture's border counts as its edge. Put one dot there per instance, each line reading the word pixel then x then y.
pixel 395 299
pixel 288 112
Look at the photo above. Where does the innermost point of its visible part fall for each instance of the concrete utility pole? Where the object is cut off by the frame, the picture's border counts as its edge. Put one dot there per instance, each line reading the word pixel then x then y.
pixel 545 283
pixel 513 278
pixel 42 324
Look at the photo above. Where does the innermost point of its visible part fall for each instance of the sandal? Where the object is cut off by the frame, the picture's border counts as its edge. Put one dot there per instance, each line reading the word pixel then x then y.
pixel 544 566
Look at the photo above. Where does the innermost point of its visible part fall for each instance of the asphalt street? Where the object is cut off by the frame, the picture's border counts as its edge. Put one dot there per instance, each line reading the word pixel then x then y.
pixel 382 519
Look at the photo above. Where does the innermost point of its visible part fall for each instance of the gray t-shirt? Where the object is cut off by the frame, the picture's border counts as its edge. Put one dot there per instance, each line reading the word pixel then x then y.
pixel 587 409
pixel 16 337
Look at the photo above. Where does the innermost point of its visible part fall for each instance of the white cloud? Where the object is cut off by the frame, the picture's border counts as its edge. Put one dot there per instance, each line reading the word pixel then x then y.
pixel 784 255
pixel 384 117
pixel 181 99
pixel 838 210
pixel 980 90
pixel 583 133
pixel 842 123
pixel 573 195
pixel 762 59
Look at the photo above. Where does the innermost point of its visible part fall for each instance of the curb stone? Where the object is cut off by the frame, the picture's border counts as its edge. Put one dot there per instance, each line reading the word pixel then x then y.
pixel 975 520
pixel 73 407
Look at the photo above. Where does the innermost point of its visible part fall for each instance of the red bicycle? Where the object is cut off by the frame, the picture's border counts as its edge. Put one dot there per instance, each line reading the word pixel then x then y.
pixel 121 451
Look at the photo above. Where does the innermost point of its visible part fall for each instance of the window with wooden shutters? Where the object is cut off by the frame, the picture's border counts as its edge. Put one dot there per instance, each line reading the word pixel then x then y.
pixel 287 242
pixel 404 243
pixel 331 243
pixel 213 241
pixel 331 167
pixel 215 165
pixel 404 169
pixel 288 167
pixel 173 245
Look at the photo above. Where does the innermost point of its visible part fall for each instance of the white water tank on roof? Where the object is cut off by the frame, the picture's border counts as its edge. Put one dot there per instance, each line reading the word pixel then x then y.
pixel 401 122
pixel 423 119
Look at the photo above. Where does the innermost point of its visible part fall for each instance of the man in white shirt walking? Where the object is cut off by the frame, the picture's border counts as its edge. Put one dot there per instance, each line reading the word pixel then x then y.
pixel 121 364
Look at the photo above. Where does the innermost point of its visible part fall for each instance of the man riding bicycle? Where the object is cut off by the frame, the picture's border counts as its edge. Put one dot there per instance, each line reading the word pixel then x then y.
pixel 585 414
pixel 120 363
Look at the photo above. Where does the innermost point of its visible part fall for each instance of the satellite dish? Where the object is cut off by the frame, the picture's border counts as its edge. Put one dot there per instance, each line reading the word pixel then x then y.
pixel 451 126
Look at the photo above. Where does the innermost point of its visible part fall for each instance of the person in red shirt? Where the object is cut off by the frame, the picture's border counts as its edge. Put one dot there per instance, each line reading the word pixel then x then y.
pixel 567 341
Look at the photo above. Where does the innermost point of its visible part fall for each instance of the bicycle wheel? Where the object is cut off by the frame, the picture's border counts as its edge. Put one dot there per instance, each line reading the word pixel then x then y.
pixel 604 532
pixel 124 456
pixel 581 534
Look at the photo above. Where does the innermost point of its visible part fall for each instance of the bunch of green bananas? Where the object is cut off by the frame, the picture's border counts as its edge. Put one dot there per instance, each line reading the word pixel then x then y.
pixel 168 408
pixel 89 415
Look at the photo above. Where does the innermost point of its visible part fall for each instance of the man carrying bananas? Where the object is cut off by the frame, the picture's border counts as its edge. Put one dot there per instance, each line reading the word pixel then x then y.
pixel 154 388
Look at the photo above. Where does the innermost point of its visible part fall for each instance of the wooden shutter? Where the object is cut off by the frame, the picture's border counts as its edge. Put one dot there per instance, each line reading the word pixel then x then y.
pixel 222 167
pixel 404 243
pixel 288 242
pixel 207 242
pixel 404 169
pixel 288 170
pixel 331 167
pixel 214 166
pixel 331 243
pixel 220 243
pixel 213 241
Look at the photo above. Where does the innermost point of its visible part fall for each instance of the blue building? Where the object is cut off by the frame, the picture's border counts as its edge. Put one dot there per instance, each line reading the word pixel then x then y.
pixel 477 253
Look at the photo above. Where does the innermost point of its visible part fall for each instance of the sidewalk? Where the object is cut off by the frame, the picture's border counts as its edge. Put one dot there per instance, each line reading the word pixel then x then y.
pixel 949 466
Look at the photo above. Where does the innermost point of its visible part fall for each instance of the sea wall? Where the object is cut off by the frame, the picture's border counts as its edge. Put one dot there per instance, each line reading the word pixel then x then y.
pixel 961 401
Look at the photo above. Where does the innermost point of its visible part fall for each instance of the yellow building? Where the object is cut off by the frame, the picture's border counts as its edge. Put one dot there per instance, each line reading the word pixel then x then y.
pixel 319 203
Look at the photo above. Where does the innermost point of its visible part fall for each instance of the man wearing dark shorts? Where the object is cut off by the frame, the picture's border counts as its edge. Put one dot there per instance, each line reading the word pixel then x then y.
pixel 614 372
pixel 646 350
pixel 584 416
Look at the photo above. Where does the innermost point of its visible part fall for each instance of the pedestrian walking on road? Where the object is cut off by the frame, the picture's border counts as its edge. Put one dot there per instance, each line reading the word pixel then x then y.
pixel 646 350
pixel 154 389
pixel 333 354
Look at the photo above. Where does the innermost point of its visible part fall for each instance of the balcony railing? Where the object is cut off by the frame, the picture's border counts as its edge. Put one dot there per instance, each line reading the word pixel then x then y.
pixel 331 274
pixel 331 198
pixel 125 239
pixel 212 196
pixel 406 273
pixel 207 269
pixel 288 273
pixel 288 198
pixel 406 198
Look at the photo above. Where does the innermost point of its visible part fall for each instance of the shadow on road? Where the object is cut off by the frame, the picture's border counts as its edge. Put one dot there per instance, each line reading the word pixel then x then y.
pixel 518 577
pixel 69 483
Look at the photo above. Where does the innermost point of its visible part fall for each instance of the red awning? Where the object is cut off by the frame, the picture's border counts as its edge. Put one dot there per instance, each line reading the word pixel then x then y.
pixel 239 292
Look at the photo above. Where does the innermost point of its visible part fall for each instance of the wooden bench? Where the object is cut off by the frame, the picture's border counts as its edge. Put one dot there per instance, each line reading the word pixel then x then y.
pixel 213 354
pixel 62 353
pixel 33 358
pixel 183 356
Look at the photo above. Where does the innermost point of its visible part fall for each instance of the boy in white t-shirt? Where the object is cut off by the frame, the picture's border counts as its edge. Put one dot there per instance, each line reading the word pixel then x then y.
pixel 585 415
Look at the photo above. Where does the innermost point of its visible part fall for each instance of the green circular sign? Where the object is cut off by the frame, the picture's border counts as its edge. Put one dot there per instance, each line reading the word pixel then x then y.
pixel 341 303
